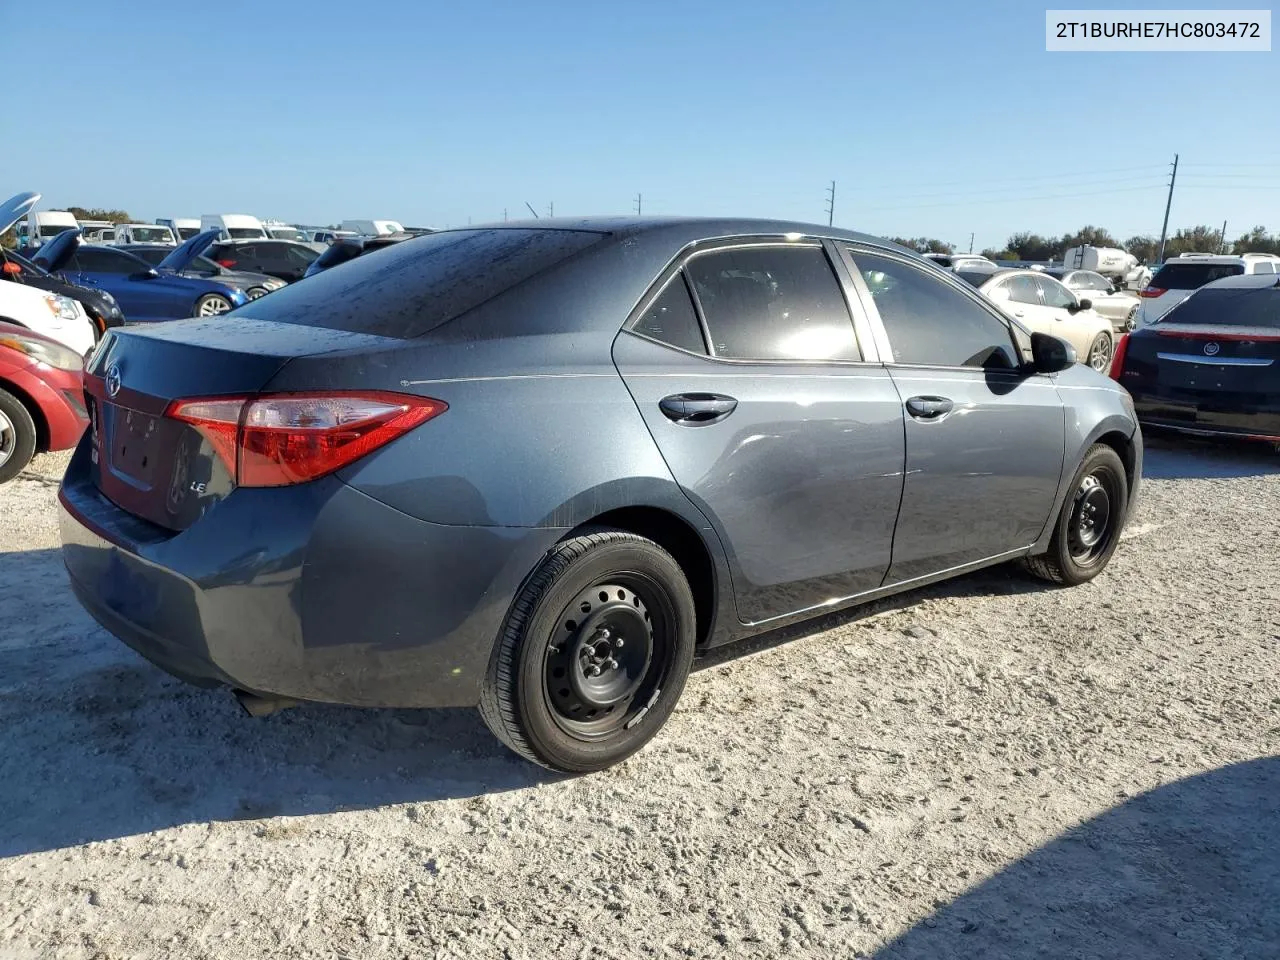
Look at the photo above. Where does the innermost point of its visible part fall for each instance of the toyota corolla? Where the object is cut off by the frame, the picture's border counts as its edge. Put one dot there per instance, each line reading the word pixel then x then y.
pixel 536 468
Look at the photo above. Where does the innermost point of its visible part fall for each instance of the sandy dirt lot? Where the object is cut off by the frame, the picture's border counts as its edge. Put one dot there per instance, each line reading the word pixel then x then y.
pixel 990 768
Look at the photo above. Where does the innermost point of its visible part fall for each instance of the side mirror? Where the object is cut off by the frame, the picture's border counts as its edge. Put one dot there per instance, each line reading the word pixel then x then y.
pixel 1051 354
pixel 1082 305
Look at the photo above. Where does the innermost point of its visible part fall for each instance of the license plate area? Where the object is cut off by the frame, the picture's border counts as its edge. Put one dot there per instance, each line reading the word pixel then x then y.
pixel 132 441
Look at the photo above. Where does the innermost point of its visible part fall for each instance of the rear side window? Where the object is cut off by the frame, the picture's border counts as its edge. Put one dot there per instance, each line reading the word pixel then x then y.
pixel 773 303
pixel 1193 276
pixel 1229 307
pixel 671 318
pixel 98 260
pixel 302 256
pixel 409 289
pixel 929 322
pixel 1264 266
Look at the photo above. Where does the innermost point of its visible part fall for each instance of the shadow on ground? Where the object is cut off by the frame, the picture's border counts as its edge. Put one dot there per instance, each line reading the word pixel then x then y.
pixel 1190 869
pixel 1169 457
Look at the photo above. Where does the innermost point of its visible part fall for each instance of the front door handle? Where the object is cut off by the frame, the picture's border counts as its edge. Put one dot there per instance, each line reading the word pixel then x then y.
pixel 929 408
pixel 697 409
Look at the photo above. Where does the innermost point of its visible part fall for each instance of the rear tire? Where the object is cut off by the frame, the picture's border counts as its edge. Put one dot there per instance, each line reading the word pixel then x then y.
pixel 594 654
pixel 1090 522
pixel 17 436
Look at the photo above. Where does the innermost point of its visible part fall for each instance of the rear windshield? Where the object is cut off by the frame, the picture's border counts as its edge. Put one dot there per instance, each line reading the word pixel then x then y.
pixel 413 287
pixel 244 233
pixel 151 234
pixel 1229 307
pixel 975 277
pixel 1193 276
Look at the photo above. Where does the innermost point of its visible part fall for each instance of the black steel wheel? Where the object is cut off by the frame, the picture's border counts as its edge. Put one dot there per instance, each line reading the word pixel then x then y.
pixel 594 654
pixel 1089 522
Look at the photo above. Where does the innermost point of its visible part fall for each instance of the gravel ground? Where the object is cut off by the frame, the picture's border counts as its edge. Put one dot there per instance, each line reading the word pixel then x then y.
pixel 989 768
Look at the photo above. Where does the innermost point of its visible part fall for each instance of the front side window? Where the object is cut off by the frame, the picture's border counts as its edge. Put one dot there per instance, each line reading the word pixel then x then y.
pixel 1055 294
pixel 930 322
pixel 671 318
pixel 773 303
pixel 1023 290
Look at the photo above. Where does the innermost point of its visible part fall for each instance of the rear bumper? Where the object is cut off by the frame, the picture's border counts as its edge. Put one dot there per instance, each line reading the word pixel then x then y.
pixel 1204 419
pixel 316 592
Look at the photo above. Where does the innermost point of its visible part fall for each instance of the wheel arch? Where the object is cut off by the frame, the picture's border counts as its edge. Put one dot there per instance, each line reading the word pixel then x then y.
pixel 33 408
pixel 697 558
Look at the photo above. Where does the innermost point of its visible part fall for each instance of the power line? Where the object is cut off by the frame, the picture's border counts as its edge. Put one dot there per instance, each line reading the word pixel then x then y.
pixel 1051 196
pixel 1003 190
pixel 1046 176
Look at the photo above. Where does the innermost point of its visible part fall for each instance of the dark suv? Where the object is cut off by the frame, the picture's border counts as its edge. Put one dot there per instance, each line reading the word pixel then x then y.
pixel 276 258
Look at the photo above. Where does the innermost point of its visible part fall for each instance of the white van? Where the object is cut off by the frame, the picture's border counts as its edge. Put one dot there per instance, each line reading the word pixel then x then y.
pixel 373 228
pixel 234 226
pixel 279 230
pixel 144 233
pixel 184 228
pixel 39 227
pixel 97 231
pixel 1181 276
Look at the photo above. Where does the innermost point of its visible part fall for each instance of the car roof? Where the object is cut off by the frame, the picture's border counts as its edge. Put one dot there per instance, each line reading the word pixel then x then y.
pixel 1247 281
pixel 707 228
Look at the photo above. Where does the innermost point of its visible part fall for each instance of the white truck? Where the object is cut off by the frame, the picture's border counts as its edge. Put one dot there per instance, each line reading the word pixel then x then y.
pixel 144 233
pixel 373 228
pixel 184 228
pixel 1111 262
pixel 234 226
pixel 40 226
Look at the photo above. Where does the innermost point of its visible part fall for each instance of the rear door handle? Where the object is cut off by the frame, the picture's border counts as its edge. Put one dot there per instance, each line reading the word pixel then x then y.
pixel 697 409
pixel 929 408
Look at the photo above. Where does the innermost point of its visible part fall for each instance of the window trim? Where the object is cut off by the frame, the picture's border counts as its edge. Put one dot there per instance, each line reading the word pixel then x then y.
pixel 847 251
pixel 863 332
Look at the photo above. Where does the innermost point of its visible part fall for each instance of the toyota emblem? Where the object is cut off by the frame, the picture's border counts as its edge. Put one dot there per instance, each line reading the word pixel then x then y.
pixel 113 377
pixel 1211 349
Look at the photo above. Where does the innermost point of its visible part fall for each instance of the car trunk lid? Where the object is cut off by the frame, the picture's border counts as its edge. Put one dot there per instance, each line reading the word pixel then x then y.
pixel 160 468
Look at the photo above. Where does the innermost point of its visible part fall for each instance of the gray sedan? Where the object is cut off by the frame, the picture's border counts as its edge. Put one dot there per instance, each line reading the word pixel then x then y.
pixel 536 468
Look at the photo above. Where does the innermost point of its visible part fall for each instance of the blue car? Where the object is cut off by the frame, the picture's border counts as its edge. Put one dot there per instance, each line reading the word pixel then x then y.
pixel 143 292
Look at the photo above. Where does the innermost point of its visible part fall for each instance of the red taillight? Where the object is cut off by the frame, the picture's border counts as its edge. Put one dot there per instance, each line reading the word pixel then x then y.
pixel 226 263
pixel 278 439
pixel 1152 292
pixel 1117 358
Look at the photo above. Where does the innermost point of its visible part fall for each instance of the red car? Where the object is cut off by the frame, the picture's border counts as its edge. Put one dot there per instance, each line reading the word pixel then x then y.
pixel 41 397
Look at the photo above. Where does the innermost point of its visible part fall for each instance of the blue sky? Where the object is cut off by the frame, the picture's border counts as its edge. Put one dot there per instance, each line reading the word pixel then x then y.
pixel 935 118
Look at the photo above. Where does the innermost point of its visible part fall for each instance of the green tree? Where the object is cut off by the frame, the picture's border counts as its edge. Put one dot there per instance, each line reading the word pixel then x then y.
pixel 99 213
pixel 1257 240
pixel 924 244
pixel 1087 236
pixel 993 254
pixel 1143 247
pixel 1031 246
pixel 1201 239
pixel 9 239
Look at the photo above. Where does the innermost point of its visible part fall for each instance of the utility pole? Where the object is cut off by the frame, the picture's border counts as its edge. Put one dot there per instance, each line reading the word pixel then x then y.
pixel 551 209
pixel 971 243
pixel 1164 230
pixel 831 202
pixel 1222 241
pixel 531 210
pixel 504 214
pixel 639 198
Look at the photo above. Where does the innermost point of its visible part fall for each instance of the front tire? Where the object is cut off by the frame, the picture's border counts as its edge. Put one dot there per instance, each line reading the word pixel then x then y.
pixel 17 436
pixel 211 304
pixel 594 654
pixel 1089 523
pixel 1100 353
